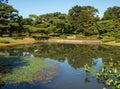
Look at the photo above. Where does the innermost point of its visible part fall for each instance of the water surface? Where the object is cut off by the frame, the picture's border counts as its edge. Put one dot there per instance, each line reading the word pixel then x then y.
pixel 52 66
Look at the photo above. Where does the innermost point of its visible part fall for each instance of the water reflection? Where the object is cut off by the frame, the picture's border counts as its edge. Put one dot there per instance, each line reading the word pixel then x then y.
pixel 77 55
pixel 69 58
pixel 26 85
pixel 71 78
pixel 7 64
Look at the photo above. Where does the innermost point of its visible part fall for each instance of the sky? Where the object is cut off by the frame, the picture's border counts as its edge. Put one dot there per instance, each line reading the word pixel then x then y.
pixel 38 7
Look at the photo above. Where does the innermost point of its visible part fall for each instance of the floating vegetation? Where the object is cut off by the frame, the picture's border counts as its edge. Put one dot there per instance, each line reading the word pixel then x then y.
pixel 36 69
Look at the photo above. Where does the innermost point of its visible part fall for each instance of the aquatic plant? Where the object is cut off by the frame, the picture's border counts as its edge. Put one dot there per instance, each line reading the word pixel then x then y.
pixel 109 73
pixel 37 69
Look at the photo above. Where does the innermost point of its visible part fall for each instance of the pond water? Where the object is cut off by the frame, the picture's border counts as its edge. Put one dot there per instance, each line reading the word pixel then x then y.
pixel 52 66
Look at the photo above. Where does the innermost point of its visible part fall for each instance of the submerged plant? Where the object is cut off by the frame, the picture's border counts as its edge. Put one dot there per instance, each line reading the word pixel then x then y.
pixel 36 70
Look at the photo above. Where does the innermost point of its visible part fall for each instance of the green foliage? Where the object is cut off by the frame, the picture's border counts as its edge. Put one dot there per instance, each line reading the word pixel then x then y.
pixel 109 73
pixel 63 36
pixel 82 17
pixel 107 39
pixel 40 37
pixel 79 20
pixel 86 68
pixel 4 41
pixel 112 13
pixel 8 19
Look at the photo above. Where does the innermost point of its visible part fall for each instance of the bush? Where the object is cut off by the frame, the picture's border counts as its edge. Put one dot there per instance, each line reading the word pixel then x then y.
pixel 107 39
pixel 4 41
pixel 40 37
pixel 71 37
pixel 63 36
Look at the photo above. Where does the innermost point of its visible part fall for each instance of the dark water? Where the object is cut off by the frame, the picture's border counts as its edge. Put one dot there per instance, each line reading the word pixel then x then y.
pixel 69 59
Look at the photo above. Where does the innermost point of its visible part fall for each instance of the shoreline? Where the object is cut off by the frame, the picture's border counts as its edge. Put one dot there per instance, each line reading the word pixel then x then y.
pixel 66 41
pixel 92 42
pixel 111 43
pixel 19 42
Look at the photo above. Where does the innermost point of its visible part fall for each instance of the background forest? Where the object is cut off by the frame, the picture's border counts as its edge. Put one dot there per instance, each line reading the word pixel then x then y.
pixel 81 21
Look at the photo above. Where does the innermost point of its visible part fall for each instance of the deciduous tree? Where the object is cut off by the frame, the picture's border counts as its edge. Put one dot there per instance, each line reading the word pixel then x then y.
pixel 81 17
pixel 112 13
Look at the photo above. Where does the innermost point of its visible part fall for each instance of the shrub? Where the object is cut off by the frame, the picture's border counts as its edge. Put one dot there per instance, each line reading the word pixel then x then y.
pixel 107 39
pixel 63 36
pixel 4 41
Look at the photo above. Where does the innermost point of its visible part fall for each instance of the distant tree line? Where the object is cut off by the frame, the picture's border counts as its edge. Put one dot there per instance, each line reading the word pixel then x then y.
pixel 82 20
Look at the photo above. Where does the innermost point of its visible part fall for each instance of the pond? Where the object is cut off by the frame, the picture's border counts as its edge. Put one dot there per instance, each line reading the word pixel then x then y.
pixel 53 66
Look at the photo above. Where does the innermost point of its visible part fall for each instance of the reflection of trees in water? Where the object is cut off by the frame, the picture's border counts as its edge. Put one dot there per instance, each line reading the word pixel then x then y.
pixel 8 64
pixel 77 55
pixel 26 85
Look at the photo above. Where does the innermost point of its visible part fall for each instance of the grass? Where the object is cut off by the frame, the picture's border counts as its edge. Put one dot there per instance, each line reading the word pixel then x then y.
pixel 10 41
pixel 117 40
pixel 112 41
pixel 36 69
pixel 6 40
pixel 82 37
pixel 108 39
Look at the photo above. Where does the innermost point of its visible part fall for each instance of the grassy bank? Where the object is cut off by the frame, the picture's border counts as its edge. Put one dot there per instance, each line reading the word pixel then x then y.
pixel 112 43
pixel 11 42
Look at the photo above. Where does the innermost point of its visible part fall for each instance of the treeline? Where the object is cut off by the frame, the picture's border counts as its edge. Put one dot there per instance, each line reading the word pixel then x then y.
pixel 82 20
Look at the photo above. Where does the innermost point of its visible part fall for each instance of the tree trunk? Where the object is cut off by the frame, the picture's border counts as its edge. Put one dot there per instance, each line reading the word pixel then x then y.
pixel 10 33
pixel 1 33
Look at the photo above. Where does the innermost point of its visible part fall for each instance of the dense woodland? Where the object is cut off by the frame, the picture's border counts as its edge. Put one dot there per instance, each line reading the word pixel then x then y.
pixel 80 20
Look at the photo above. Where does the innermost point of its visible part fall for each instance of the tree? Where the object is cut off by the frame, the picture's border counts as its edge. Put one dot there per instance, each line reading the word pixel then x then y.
pixel 53 22
pixel 33 18
pixel 81 17
pixel 8 17
pixel 105 28
pixel 112 13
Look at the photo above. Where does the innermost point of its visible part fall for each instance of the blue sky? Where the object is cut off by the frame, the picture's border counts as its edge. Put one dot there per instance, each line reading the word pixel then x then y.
pixel 39 7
